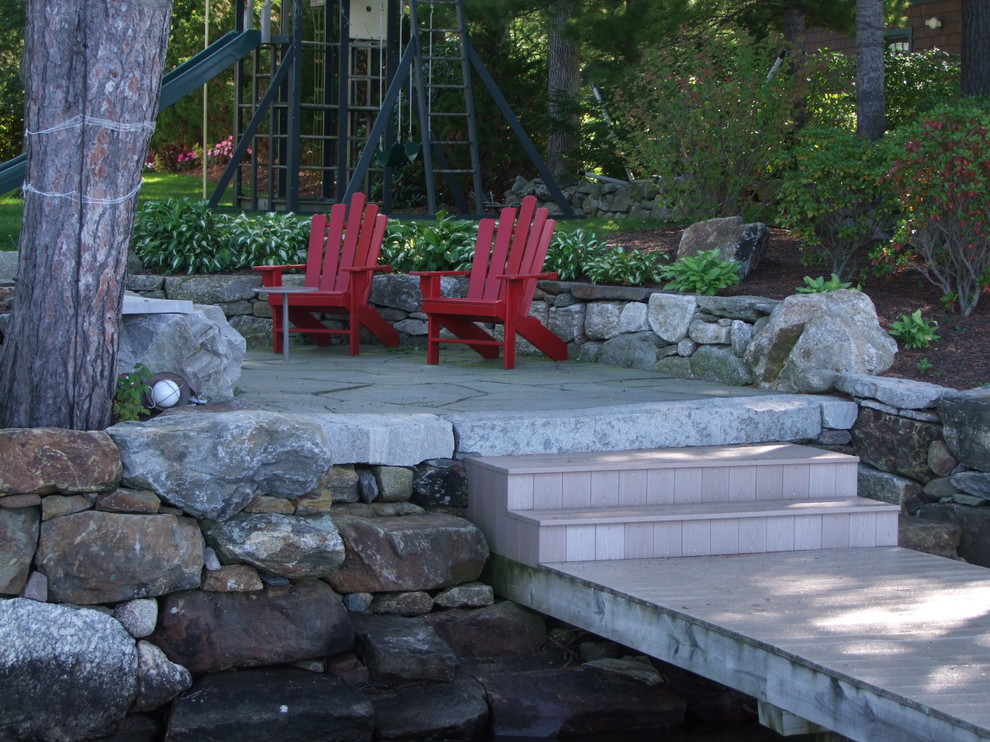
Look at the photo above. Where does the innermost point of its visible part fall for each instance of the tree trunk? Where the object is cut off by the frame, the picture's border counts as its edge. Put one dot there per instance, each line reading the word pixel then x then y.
pixel 93 70
pixel 869 69
pixel 975 57
pixel 563 62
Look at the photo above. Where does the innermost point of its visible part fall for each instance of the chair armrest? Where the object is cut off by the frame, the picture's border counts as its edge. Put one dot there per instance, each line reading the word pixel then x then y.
pixel 439 273
pixel 272 274
pixel 367 268
pixel 524 276
pixel 430 284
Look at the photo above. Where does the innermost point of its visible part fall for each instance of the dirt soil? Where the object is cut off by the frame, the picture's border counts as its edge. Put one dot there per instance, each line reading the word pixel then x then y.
pixel 959 359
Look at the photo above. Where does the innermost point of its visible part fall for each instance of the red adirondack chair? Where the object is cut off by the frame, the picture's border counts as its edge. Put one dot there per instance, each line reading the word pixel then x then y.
pixel 508 261
pixel 342 259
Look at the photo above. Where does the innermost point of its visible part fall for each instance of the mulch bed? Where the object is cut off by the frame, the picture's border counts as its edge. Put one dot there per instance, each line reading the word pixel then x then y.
pixel 959 359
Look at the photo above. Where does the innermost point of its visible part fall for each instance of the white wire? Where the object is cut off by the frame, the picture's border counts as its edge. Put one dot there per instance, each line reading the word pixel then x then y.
pixel 81 120
pixel 79 198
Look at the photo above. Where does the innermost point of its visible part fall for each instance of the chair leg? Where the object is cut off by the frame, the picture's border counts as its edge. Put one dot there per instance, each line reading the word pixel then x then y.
pixel 534 331
pixel 432 341
pixel 509 357
pixel 276 329
pixel 378 326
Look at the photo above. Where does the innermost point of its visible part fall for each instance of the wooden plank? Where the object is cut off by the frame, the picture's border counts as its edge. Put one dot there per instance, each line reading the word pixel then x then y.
pixel 704 511
pixel 709 456
pixel 877 644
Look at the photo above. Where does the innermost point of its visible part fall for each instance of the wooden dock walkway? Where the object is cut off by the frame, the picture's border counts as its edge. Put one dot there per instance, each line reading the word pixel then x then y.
pixel 877 644
pixel 757 567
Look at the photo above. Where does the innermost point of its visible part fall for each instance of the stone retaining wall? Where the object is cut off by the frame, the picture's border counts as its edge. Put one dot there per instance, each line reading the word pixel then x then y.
pixel 640 199
pixel 142 562
pixel 705 337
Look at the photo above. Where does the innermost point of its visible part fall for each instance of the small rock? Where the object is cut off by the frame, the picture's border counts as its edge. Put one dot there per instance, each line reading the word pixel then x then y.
pixel 55 506
pixel 416 603
pixel 473 595
pixel 139 616
pixel 128 501
pixel 358 602
pixel 234 578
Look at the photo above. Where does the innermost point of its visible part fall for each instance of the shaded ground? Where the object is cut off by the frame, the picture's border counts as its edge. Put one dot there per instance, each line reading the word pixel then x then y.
pixel 960 358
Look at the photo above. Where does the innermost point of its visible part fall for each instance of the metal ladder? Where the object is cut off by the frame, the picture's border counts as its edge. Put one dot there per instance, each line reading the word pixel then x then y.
pixel 443 76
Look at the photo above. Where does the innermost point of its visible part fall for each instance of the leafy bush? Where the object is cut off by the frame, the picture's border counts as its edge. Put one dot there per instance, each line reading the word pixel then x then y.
pixel 913 331
pixel 129 397
pixel 708 124
pixel 446 244
pixel 702 273
pixel 268 239
pixel 942 178
pixel 620 267
pixel 820 285
pixel 180 235
pixel 571 252
pixel 914 83
pixel 833 196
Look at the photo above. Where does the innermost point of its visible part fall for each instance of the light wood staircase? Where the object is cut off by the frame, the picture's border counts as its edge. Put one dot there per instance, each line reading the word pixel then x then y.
pixel 696 501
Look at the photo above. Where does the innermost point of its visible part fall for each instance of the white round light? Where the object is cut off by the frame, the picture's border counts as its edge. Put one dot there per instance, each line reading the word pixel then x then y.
pixel 165 393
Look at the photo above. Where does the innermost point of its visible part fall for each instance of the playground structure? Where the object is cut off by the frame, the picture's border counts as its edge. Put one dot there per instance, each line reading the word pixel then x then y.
pixel 354 95
pixel 334 97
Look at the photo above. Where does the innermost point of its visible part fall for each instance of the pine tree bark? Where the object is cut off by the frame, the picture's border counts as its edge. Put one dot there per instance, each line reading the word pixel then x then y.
pixel 869 69
pixel 975 56
pixel 93 73
pixel 563 63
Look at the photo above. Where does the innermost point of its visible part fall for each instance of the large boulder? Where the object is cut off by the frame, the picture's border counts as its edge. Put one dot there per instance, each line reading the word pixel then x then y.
pixel 500 630
pixel 284 545
pixel 974 545
pixel 200 346
pixel 966 419
pixel 213 465
pixel 895 444
pixel 400 650
pixel 272 705
pixel 159 679
pixel 210 631
pixel 577 701
pixel 48 460
pixel 405 553
pixel 455 712
pixel 808 334
pixel 65 673
pixel 743 243
pixel 95 557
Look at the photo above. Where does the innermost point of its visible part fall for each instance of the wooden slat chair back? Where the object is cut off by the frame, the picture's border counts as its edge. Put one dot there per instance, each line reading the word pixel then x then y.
pixel 508 262
pixel 341 260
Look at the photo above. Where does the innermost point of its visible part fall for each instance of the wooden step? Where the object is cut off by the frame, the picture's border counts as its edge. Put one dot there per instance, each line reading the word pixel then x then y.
pixel 673 502
pixel 696 529
pixel 666 476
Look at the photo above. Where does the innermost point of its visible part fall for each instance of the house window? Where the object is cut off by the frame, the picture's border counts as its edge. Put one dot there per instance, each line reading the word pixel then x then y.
pixel 898 39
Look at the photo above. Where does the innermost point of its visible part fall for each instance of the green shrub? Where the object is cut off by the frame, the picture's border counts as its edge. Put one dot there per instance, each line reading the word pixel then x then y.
pixel 269 239
pixel 181 235
pixel 942 178
pixel 820 285
pixel 913 83
pixel 912 331
pixel 571 252
pixel 834 197
pixel 446 244
pixel 621 267
pixel 702 273
pixel 708 124
pixel 129 400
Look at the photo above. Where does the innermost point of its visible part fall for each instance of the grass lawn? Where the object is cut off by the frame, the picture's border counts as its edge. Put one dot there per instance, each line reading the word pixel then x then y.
pixel 156 186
